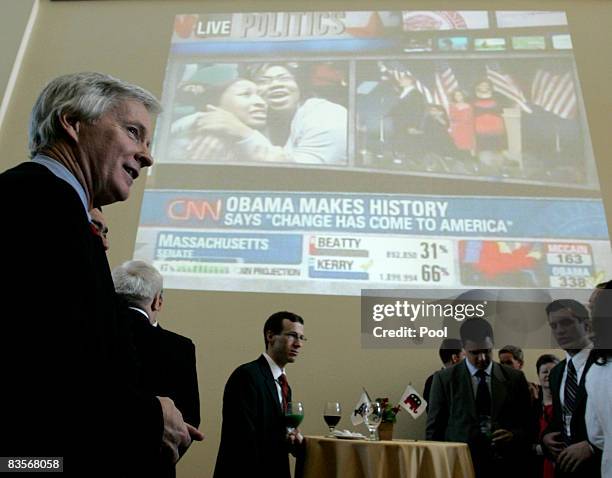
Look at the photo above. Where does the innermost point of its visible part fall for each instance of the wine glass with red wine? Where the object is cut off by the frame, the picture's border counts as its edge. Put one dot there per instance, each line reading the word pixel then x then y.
pixel 332 415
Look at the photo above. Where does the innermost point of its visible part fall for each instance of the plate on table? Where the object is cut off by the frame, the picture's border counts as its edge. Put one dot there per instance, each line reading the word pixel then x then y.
pixel 348 435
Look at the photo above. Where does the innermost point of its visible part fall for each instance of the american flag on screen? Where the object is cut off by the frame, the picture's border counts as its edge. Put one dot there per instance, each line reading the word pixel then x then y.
pixel 426 92
pixel 505 86
pixel 554 93
pixel 445 84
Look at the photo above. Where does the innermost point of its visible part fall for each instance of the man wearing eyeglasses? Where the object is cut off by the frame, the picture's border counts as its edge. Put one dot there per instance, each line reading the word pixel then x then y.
pixel 254 440
pixel 483 404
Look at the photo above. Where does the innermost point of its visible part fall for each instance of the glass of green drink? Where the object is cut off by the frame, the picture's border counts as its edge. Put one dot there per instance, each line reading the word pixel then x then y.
pixel 293 415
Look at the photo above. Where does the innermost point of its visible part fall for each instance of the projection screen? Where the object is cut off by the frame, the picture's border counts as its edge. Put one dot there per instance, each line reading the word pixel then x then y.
pixel 478 114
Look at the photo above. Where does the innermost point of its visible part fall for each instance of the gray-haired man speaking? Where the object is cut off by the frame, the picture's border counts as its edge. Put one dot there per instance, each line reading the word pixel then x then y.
pixel 68 384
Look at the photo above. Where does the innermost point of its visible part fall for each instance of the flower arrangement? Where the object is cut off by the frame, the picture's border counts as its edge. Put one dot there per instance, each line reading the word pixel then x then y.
pixel 389 412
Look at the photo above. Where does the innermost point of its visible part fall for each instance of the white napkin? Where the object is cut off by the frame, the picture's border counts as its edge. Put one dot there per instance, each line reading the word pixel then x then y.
pixel 347 434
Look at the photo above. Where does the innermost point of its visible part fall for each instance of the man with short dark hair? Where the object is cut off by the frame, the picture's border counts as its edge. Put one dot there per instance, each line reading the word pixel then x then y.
pixel 512 356
pixel 483 404
pixel 254 440
pixel 566 438
pixel 65 352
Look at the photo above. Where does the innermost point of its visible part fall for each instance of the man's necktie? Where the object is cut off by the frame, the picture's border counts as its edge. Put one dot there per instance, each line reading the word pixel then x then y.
pixel 569 394
pixel 282 380
pixel 483 397
pixel 571 387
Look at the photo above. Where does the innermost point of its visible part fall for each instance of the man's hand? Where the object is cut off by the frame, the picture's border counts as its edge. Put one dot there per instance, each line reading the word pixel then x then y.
pixel 502 436
pixel 195 434
pixel 177 437
pixel 552 441
pixel 571 458
pixel 294 437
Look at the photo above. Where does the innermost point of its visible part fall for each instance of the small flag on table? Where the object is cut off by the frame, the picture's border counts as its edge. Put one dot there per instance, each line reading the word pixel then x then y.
pixel 412 402
pixel 360 409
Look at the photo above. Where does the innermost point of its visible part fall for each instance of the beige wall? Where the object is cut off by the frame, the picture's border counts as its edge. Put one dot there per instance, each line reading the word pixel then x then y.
pixel 13 19
pixel 130 39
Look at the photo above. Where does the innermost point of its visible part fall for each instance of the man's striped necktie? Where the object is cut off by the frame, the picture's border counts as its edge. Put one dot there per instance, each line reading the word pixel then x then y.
pixel 569 396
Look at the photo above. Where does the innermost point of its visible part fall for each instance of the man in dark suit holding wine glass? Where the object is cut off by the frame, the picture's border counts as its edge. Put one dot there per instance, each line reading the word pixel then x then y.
pixel 254 438
pixel 483 404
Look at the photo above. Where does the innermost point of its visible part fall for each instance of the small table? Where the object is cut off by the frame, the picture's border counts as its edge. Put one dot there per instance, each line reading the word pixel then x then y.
pixel 336 457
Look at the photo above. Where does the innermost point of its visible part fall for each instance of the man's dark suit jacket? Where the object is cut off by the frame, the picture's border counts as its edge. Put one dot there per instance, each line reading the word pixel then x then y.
pixel 167 365
pixel 408 113
pixel 68 377
pixel 427 389
pixel 452 415
pixel 591 468
pixel 253 435
pixel 166 368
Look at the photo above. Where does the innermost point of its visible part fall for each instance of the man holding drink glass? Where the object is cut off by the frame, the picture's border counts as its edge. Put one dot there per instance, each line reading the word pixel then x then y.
pixel 257 397
pixel 483 404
